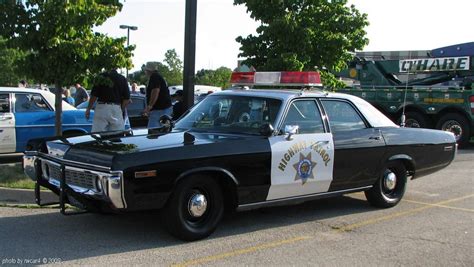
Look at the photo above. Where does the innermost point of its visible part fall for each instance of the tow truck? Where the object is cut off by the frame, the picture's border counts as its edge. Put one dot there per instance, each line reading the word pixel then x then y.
pixel 437 92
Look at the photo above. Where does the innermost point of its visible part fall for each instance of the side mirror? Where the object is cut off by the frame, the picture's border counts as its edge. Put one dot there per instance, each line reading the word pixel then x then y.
pixel 266 130
pixel 291 130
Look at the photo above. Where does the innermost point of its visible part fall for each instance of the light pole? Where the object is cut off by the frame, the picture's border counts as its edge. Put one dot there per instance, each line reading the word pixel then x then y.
pixel 128 27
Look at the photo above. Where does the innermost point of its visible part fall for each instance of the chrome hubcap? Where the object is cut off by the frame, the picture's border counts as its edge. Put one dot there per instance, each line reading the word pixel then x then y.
pixel 390 180
pixel 454 127
pixel 197 205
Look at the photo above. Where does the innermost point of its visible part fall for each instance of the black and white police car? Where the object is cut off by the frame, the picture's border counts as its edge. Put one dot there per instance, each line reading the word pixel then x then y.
pixel 242 149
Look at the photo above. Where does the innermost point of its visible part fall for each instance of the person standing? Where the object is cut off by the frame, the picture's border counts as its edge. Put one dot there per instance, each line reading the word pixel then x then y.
pixel 178 107
pixel 67 96
pixel 157 95
pixel 135 90
pixel 112 96
pixel 81 94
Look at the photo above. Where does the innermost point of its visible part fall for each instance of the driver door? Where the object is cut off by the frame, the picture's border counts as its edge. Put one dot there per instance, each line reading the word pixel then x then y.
pixel 7 125
pixel 302 161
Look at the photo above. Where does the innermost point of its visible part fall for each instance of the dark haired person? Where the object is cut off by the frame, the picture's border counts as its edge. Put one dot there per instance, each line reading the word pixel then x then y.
pixel 157 95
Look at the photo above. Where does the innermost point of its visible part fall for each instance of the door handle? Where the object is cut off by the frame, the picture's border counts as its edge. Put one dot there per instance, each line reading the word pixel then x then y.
pixel 4 118
pixel 375 137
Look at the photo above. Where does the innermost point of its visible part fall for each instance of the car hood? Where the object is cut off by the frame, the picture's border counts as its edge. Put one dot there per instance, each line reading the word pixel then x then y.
pixel 103 150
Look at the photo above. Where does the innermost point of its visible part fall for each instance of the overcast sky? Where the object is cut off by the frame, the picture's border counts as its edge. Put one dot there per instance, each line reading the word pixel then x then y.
pixel 394 25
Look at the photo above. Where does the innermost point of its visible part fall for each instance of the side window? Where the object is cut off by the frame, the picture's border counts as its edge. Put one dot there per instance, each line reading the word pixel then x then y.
pixel 342 116
pixel 4 103
pixel 306 115
pixel 30 103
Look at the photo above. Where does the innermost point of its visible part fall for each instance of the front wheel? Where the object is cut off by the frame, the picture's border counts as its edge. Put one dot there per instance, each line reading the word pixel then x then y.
pixel 389 188
pixel 194 209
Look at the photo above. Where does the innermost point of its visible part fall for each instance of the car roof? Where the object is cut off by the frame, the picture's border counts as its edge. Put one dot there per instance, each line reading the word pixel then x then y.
pixel 285 94
pixel 21 90
pixel 50 97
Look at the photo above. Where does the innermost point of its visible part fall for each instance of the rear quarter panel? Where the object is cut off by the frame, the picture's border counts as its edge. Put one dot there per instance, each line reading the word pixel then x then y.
pixel 429 150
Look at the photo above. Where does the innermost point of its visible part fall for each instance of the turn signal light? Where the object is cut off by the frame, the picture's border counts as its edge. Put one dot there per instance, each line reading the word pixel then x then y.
pixel 145 174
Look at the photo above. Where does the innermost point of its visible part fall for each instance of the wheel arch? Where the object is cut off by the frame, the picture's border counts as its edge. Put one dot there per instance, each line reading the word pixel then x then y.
pixel 407 161
pixel 224 178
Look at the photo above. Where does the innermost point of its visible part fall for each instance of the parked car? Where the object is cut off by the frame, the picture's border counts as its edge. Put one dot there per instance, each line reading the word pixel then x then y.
pixel 134 109
pixel 30 113
pixel 239 150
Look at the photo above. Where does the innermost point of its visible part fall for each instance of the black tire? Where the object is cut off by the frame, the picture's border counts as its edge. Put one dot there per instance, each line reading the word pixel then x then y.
pixel 416 120
pixel 383 197
pixel 177 214
pixel 457 124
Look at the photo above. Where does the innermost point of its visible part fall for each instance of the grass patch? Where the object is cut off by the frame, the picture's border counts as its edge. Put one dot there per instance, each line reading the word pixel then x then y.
pixel 12 176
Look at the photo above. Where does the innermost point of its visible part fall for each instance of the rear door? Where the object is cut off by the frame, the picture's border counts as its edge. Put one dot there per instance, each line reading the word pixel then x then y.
pixel 7 125
pixel 302 164
pixel 359 148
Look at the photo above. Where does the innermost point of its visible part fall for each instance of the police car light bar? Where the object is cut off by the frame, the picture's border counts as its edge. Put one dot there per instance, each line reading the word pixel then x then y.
pixel 284 78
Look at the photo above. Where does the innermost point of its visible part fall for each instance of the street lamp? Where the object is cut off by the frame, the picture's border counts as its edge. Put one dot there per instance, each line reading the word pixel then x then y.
pixel 128 27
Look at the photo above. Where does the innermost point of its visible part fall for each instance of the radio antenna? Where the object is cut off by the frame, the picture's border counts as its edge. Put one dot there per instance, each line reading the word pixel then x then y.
pixel 403 118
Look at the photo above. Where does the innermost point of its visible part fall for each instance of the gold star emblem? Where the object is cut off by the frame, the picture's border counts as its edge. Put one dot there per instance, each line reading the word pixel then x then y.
pixel 304 168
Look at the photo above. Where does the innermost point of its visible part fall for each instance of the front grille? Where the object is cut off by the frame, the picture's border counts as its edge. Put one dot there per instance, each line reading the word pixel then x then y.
pixel 81 179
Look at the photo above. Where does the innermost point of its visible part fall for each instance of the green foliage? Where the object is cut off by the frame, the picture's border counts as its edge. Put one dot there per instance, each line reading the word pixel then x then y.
pixel 173 70
pixel 62 47
pixel 300 35
pixel 219 77
pixel 330 81
pixel 9 64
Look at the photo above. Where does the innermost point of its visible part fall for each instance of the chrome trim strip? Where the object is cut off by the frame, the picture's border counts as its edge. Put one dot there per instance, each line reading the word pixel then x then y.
pixel 448 148
pixel 228 173
pixel 284 201
pixel 74 163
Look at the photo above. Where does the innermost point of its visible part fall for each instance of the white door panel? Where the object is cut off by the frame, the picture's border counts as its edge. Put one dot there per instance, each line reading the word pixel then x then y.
pixel 7 126
pixel 301 166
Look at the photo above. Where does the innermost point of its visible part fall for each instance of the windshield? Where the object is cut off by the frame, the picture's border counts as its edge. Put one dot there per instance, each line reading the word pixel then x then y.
pixel 232 114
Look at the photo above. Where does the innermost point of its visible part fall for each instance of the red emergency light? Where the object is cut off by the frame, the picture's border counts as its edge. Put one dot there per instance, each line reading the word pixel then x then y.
pixel 284 78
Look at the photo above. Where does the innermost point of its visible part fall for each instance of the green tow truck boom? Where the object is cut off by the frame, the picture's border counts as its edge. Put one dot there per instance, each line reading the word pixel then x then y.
pixel 432 92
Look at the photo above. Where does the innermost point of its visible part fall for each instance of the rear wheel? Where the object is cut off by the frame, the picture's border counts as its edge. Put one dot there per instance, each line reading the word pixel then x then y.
pixel 416 120
pixel 194 209
pixel 390 187
pixel 458 125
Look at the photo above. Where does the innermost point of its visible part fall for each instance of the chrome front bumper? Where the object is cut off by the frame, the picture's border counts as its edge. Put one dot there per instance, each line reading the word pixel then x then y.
pixel 90 183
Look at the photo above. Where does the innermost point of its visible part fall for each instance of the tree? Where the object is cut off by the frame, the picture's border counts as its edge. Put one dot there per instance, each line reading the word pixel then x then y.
pixel 174 72
pixel 303 35
pixel 171 70
pixel 219 77
pixel 9 64
pixel 62 47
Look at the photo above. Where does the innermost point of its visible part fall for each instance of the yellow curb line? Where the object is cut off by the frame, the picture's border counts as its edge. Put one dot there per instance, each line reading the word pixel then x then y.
pixel 439 205
pixel 242 251
pixel 399 214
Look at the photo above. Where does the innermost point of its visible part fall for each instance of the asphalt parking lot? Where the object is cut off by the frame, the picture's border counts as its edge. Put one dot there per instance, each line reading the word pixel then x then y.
pixel 433 225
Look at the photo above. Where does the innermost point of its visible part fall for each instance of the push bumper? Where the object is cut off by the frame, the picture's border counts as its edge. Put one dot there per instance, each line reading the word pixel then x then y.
pixel 77 186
